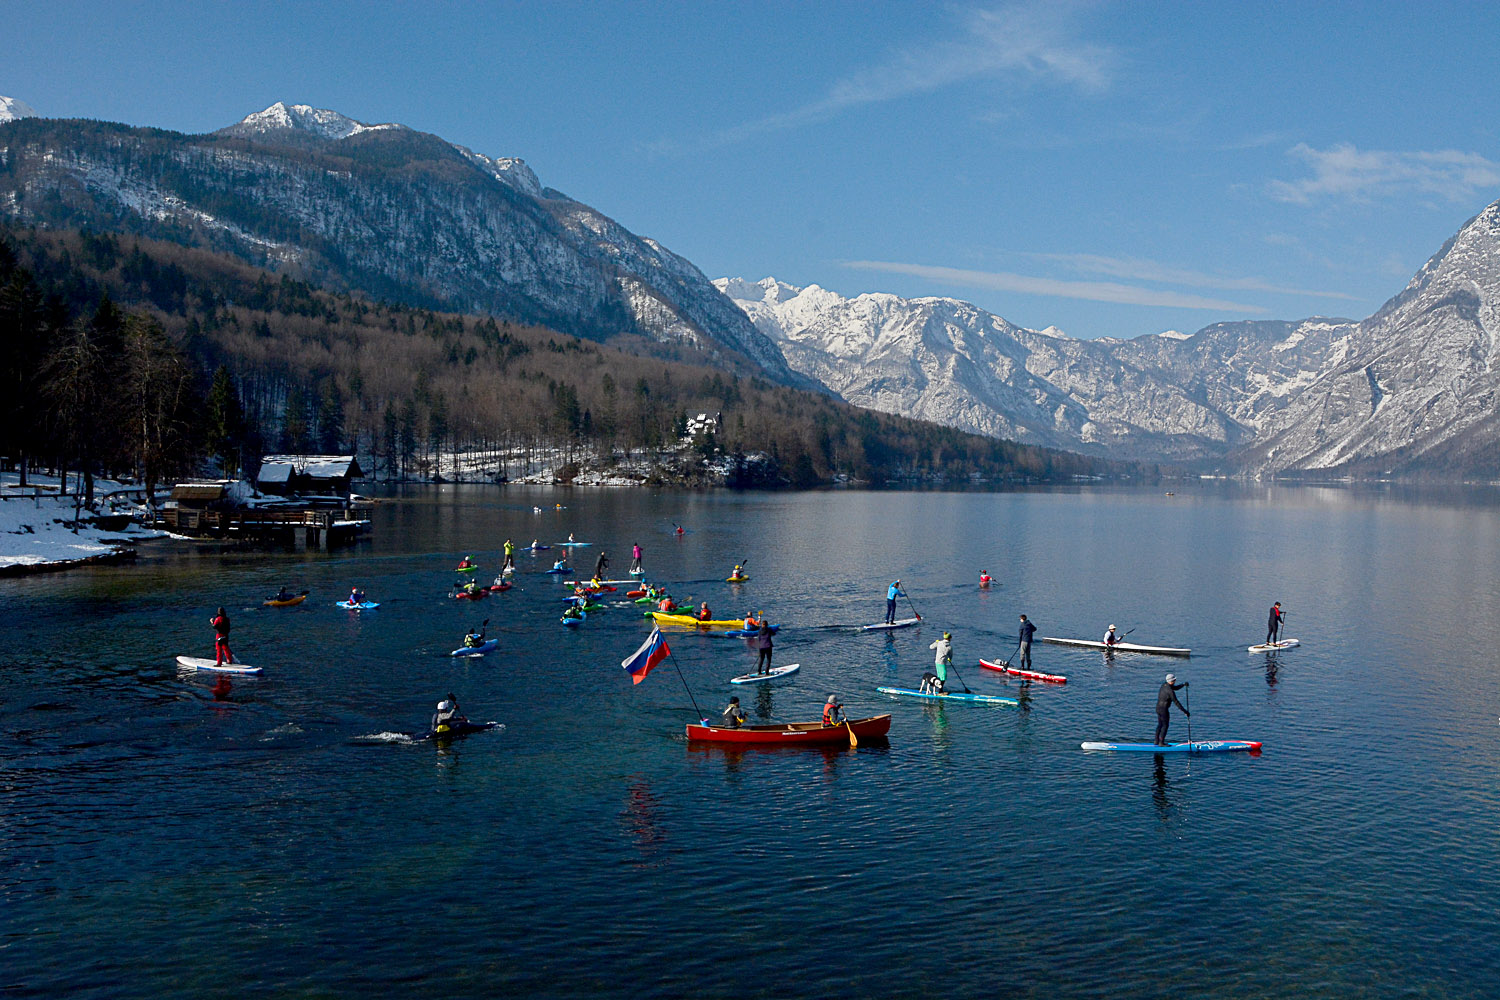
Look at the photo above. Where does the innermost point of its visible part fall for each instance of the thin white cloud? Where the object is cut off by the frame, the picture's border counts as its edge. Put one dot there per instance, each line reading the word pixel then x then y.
pixel 1141 269
pixel 1093 291
pixel 1031 42
pixel 1347 172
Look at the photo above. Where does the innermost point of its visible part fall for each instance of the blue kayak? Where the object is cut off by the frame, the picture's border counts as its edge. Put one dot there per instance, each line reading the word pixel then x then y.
pixel 743 633
pixel 986 699
pixel 489 645
pixel 575 621
pixel 361 606
pixel 1199 746
pixel 565 569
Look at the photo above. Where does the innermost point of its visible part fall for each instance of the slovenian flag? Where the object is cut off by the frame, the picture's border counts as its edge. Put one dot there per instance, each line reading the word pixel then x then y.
pixel 652 652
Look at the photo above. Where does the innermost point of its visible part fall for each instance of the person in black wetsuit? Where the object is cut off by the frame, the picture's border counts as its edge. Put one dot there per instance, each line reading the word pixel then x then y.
pixel 601 565
pixel 1273 624
pixel 1166 697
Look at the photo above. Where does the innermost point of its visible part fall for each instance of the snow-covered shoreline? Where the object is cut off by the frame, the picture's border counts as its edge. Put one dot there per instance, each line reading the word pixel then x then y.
pixel 37 529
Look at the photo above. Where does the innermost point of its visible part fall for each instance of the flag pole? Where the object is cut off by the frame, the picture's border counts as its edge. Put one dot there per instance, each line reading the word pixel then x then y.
pixel 685 687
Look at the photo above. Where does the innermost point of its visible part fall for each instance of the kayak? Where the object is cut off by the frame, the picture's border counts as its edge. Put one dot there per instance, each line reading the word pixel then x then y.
pixel 604 583
pixel 487 646
pixel 574 545
pixel 499 588
pixel 448 730
pixel 272 602
pixel 744 633
pixel 987 699
pixel 667 619
pixel 565 569
pixel 465 569
pixel 464 595
pixel 635 593
pixel 1199 746
pixel 1121 647
pixel 584 605
pixel 1030 675
pixel 887 626
pixel 775 673
pixel 605 589
pixel 536 548
pixel 574 621
pixel 361 606
pixel 1271 647
pixel 793 734
pixel 735 579
pixel 680 607
pixel 202 663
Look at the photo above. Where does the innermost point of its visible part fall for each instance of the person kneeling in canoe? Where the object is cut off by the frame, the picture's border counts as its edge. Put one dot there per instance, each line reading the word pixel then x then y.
pixel 704 614
pixel 734 716
pixel 833 712
pixel 942 660
pixel 1166 697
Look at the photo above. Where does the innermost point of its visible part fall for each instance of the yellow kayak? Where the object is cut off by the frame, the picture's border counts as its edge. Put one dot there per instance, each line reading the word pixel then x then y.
pixel 735 579
pixel 667 619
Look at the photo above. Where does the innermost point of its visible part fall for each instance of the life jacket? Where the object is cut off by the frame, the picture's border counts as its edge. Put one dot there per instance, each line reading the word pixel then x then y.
pixel 703 613
pixel 828 714
pixel 667 606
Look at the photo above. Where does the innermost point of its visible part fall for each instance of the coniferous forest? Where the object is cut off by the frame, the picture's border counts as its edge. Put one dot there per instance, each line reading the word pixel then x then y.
pixel 129 357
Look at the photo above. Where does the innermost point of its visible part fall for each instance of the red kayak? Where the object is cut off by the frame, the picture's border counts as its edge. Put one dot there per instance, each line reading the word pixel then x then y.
pixel 1030 675
pixel 464 595
pixel 499 588
pixel 635 593
pixel 794 734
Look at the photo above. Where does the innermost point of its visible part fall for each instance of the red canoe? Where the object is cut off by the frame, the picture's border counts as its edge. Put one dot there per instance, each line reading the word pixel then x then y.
pixel 1031 675
pixel 794 734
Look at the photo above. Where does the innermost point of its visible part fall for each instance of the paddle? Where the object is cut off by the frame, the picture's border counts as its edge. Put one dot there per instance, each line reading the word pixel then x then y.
pixel 911 605
pixel 1006 661
pixel 480 631
pixel 853 742
pixel 960 679
pixel 1187 694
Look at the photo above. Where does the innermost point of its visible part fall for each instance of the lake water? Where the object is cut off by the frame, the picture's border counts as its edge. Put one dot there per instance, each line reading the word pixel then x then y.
pixel 155 843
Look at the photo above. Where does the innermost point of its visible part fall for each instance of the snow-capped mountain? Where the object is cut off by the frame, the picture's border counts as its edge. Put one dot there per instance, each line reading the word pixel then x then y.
pixel 1412 389
pixel 12 109
pixel 1162 397
pixel 383 209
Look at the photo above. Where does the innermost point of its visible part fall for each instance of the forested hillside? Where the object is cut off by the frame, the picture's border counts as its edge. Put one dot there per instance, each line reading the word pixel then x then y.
pixel 126 354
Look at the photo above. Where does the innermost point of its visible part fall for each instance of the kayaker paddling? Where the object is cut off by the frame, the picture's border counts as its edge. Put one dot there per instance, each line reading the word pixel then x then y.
pixel 984 578
pixel 1166 697
pixel 704 614
pixel 1110 639
pixel 220 623
pixel 356 596
pixel 447 714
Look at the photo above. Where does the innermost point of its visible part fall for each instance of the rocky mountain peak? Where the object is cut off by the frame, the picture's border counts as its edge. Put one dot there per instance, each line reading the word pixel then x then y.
pixel 12 109
pixel 320 122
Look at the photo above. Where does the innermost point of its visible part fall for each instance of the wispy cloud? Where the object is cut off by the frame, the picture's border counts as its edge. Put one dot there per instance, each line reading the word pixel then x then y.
pixel 1139 269
pixel 1093 291
pixel 1032 42
pixel 1347 172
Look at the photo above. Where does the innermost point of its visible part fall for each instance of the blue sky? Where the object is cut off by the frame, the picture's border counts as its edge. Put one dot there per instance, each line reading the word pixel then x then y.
pixel 1113 169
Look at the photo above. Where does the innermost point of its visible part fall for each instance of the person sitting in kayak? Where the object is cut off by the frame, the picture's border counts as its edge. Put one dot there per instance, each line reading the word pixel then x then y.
pixel 942 660
pixel 561 566
pixel 222 655
pixel 467 562
pixel 734 716
pixel 1166 697
pixel 984 578
pixel 667 605
pixel 356 596
pixel 283 595
pixel 570 538
pixel 447 713
pixel 474 638
pixel 1111 639
pixel 596 583
pixel 499 581
pixel 704 614
pixel 752 622
pixel 679 528
pixel 739 572
pixel 572 612
pixel 833 712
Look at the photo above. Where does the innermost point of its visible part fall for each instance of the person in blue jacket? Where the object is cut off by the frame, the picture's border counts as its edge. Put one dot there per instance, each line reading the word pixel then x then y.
pixel 1027 631
pixel 891 594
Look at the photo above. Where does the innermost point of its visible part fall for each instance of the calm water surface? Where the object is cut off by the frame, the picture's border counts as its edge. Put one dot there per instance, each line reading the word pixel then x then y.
pixel 155 843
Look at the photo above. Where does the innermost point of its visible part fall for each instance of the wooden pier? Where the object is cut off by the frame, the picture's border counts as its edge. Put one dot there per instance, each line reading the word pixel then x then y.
pixel 309 527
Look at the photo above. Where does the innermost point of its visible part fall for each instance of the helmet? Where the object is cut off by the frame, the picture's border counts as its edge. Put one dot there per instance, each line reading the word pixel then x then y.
pixel 1171 678
pixel 833 699
pixel 444 706
pixel 947 635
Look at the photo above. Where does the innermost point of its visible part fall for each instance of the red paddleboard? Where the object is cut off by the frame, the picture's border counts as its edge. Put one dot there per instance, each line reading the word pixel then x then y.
pixel 1031 675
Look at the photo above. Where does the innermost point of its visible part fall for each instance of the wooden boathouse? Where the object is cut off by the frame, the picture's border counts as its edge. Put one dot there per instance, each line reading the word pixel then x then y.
pixel 231 509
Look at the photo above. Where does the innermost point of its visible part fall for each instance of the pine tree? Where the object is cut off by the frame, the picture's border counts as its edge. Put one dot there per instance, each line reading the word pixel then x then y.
pixel 225 432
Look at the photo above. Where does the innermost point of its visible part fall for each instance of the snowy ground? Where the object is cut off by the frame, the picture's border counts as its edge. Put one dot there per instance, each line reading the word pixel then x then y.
pixel 35 530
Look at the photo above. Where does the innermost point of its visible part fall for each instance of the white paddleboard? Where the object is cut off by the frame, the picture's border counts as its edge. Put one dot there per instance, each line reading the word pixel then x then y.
pixel 202 663
pixel 775 673
pixel 1271 647
pixel 885 627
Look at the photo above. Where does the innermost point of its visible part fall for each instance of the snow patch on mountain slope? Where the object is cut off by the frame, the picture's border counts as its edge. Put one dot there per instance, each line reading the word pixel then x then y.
pixel 12 109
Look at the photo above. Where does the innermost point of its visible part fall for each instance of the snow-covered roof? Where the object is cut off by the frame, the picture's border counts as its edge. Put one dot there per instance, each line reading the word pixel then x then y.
pixel 277 473
pixel 314 466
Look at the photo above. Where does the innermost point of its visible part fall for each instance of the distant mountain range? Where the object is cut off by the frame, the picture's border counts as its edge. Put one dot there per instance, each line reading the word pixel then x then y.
pixel 1410 390
pixel 403 215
